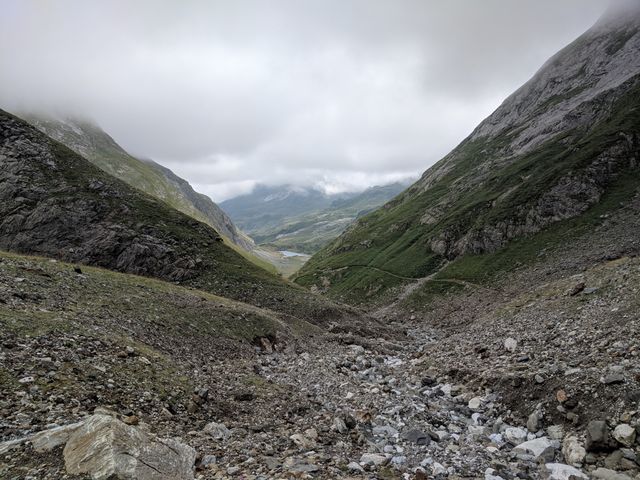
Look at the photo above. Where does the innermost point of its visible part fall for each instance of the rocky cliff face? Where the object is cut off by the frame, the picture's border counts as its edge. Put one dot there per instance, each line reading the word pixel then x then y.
pixel 91 142
pixel 552 151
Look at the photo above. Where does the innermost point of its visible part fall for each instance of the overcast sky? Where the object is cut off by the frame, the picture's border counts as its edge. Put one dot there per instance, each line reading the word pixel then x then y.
pixel 341 94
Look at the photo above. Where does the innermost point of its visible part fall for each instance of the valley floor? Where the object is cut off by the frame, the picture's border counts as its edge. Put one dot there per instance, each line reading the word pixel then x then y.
pixel 503 383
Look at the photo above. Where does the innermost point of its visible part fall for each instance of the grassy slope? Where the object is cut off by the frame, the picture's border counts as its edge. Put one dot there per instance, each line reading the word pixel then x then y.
pixel 394 240
pixel 172 326
pixel 310 231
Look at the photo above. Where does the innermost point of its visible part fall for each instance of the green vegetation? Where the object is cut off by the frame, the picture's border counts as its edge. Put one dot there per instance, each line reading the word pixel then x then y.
pixel 285 218
pixel 472 197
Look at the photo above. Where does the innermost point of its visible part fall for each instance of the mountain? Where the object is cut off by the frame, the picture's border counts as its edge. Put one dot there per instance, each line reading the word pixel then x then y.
pixel 267 207
pixel 555 158
pixel 94 144
pixel 55 203
pixel 303 219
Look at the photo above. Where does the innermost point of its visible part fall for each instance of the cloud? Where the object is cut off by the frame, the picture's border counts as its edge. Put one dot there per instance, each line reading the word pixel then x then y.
pixel 338 93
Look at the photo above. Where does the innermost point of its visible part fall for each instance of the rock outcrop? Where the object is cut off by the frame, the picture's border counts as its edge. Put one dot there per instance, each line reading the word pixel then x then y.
pixel 105 448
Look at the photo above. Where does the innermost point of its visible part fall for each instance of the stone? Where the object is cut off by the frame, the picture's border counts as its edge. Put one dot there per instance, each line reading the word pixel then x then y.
pixel 355 467
pixel 385 431
pixel 555 432
pixel 47 440
pixel 561 396
pixel 613 459
pixel 438 469
pixel 9 445
pixel 559 471
pixel 515 435
pixel 340 426
pixel 218 431
pixel 625 434
pixel 104 447
pixel 510 344
pixel 417 436
pixel 534 422
pixel 302 441
pixel 475 403
pixel 598 439
pixel 374 459
pixel 574 453
pixel 613 378
pixel 539 448
pixel 606 474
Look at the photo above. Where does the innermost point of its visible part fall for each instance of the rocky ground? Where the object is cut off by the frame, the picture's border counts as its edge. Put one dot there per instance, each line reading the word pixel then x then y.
pixel 340 406
pixel 535 377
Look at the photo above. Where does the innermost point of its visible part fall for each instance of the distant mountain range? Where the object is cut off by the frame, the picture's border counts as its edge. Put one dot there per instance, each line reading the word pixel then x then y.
pixel 302 219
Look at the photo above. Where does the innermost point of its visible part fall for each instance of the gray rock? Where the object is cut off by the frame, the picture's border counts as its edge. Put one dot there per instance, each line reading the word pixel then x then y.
pixel 625 434
pixel 539 448
pixel 612 378
pixel 598 438
pixel 217 431
pixel 374 459
pixel 475 403
pixel 510 344
pixel 559 471
pixel 47 440
pixel 418 437
pixel 606 474
pixel 515 435
pixel 574 453
pixel 106 448
pixel 534 422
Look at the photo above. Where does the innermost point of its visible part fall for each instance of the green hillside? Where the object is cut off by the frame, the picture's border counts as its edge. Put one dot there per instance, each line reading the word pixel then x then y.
pixel 568 156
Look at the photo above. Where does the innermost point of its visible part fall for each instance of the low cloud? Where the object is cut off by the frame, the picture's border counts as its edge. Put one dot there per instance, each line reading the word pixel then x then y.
pixel 339 94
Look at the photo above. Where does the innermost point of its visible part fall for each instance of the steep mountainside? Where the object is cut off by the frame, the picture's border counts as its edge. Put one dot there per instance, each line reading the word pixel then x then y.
pixel 303 220
pixel 92 143
pixel 55 203
pixel 562 150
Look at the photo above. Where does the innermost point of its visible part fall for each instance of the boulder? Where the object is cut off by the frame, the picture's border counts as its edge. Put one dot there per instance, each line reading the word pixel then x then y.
pixel 106 448
pixel 510 344
pixel 598 438
pixel 606 474
pixel 374 459
pixel 47 440
pixel 515 435
pixel 559 471
pixel 217 431
pixel 539 448
pixel 574 453
pixel 625 434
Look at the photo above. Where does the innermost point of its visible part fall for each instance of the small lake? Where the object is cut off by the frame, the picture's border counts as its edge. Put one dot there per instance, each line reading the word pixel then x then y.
pixel 287 253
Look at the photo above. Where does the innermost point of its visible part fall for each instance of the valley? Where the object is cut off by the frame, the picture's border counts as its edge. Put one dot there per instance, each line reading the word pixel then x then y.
pixel 480 323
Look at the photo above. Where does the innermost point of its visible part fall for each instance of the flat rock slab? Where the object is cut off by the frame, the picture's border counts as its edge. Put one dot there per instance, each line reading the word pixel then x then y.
pixel 106 448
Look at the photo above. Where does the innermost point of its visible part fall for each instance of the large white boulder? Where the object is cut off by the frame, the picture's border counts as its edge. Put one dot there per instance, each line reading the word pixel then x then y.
pixel 105 448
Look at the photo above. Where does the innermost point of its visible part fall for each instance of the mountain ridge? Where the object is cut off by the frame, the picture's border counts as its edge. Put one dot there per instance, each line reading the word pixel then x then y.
pixel 90 141
pixel 547 154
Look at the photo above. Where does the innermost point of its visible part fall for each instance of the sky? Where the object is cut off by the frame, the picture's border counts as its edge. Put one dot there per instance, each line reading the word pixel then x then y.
pixel 337 94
